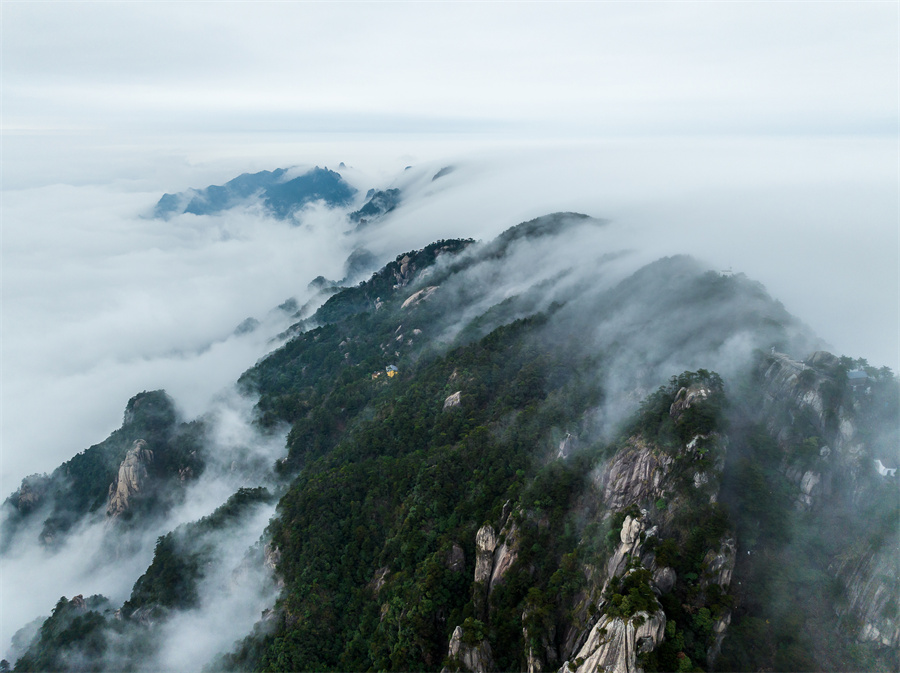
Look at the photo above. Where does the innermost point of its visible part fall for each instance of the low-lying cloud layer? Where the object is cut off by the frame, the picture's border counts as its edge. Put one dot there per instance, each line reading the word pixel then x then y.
pixel 101 302
pixel 96 559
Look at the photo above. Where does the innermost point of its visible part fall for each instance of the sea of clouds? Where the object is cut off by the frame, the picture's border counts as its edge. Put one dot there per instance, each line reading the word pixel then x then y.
pixel 100 301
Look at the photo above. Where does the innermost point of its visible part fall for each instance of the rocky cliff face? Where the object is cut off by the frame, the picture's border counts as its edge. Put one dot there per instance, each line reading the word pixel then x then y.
pixel 466 655
pixel 453 400
pixel 872 589
pixel 718 569
pixel 719 565
pixel 813 397
pixel 271 559
pixel 485 544
pixel 806 392
pixel 506 553
pixel 614 644
pixel 819 514
pixel 107 475
pixel 404 273
pixel 629 546
pixel 635 475
pixel 653 482
pixel 130 480
pixel 495 554
pixel 686 397
pixel 615 641
pixel 416 297
pixel 31 494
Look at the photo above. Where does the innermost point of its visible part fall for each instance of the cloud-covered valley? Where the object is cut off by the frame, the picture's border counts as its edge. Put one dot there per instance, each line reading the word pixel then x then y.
pixel 100 301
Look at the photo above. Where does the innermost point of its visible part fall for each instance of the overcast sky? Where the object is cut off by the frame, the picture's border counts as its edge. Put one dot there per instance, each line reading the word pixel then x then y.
pixel 762 136
pixel 668 67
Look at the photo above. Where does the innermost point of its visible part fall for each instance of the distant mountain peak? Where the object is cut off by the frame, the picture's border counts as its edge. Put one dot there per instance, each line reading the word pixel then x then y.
pixel 378 204
pixel 280 196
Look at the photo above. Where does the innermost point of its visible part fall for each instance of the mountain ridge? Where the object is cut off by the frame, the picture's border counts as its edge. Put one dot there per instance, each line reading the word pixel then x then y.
pixel 470 483
pixel 279 194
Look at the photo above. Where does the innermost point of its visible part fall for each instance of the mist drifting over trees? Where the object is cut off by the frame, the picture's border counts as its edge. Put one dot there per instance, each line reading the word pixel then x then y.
pixel 449 336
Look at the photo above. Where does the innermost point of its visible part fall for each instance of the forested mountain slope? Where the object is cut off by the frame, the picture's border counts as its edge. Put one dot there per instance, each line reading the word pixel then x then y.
pixel 527 455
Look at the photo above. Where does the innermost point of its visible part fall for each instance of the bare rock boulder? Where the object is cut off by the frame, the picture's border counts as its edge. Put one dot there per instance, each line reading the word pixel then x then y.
pixel 453 400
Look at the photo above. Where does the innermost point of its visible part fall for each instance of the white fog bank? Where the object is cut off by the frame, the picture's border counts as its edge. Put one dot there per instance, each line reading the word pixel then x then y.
pixel 100 302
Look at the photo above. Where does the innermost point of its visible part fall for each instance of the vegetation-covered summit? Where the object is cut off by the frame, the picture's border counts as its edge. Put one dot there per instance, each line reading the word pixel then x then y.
pixel 496 465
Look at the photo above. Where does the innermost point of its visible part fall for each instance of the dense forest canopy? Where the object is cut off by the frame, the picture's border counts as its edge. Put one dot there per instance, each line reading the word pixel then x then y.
pixel 463 490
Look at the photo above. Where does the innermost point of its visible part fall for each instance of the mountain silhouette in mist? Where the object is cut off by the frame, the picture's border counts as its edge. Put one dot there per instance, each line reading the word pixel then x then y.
pixel 502 455
pixel 280 196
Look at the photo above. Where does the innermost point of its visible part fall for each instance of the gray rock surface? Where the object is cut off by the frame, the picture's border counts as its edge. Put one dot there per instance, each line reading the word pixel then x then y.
pixel 566 446
pixel 404 274
pixel 630 545
pixel 130 478
pixel 614 643
pixel 485 544
pixel 796 388
pixel 635 475
pixel 664 579
pixel 506 553
pixel 685 398
pixel 31 493
pixel 271 559
pixel 453 400
pixel 719 565
pixel 719 629
pixel 456 559
pixel 419 297
pixel 809 483
pixel 871 589
pixel 464 656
